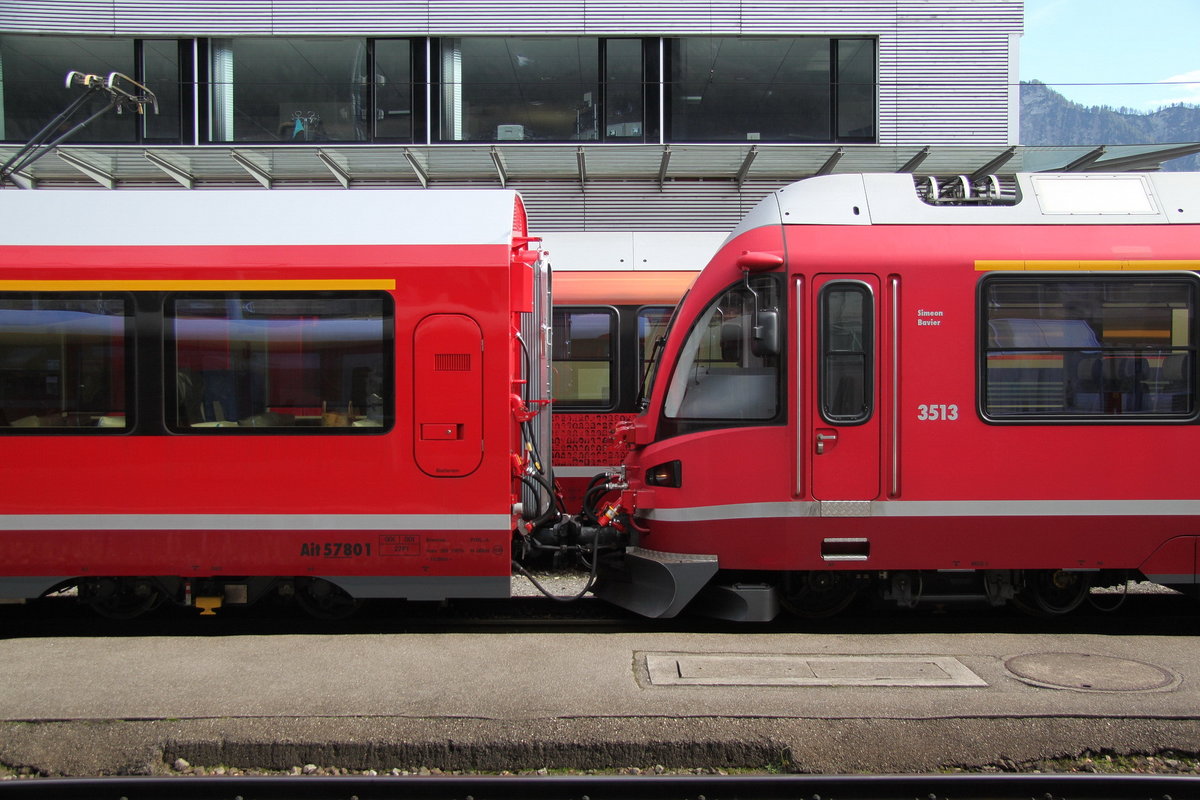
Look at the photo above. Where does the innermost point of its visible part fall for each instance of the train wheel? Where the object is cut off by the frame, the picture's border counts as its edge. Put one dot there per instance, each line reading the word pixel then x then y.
pixel 323 600
pixel 1053 592
pixel 116 598
pixel 815 595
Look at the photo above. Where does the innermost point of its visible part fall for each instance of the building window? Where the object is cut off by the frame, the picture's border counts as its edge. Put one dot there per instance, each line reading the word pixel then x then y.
pixel 63 362
pixel 33 91
pixel 1090 349
pixel 771 89
pixel 294 362
pixel 541 89
pixel 303 90
pixel 583 357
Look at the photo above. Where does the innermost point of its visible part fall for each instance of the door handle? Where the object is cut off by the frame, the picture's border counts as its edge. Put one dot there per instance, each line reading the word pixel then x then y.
pixel 822 438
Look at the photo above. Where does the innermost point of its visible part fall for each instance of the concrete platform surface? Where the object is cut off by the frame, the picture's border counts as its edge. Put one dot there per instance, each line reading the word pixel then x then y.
pixel 812 702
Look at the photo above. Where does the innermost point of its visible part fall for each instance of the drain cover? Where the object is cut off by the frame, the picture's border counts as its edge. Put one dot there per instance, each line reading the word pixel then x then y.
pixel 1088 673
pixel 782 669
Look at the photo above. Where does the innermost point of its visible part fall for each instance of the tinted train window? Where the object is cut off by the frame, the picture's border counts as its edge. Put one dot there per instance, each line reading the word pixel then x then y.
pixel 63 362
pixel 249 361
pixel 719 375
pixel 652 324
pixel 583 357
pixel 1088 348
pixel 846 353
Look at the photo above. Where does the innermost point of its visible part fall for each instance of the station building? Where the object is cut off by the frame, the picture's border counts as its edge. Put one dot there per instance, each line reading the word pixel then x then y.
pixel 638 133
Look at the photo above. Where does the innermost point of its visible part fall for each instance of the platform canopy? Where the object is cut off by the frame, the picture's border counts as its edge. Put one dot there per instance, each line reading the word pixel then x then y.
pixel 504 164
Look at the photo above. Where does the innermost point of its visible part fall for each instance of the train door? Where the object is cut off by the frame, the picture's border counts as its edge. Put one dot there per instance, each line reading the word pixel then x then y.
pixel 844 423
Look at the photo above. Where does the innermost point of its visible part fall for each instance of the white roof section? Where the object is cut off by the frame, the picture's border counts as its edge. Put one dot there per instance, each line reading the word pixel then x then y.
pixel 135 218
pixel 1034 199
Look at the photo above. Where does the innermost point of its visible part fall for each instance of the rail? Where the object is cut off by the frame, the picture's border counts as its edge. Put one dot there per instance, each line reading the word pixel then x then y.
pixel 757 787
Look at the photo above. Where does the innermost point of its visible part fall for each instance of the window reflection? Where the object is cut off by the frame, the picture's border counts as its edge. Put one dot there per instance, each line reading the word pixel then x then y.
pixel 516 89
pixel 1089 348
pixel 33 70
pixel 280 362
pixel 772 89
pixel 718 375
pixel 63 361
pixel 302 90
pixel 583 357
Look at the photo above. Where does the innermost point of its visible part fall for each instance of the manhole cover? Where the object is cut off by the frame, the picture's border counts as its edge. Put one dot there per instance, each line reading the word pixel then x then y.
pixel 1088 673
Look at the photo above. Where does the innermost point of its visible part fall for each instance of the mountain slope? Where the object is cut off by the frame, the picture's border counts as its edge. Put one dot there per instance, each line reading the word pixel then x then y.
pixel 1048 118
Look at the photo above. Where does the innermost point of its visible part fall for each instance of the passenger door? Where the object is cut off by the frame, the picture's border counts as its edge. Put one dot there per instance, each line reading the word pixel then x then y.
pixel 844 409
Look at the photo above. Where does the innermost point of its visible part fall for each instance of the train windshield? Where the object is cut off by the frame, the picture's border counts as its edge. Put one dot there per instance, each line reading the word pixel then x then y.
pixel 654 326
pixel 722 374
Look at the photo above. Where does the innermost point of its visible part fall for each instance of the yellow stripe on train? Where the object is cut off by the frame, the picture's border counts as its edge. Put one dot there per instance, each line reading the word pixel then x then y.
pixel 1064 265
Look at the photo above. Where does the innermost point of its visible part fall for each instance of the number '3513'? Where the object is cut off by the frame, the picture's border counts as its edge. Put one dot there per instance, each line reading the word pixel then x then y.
pixel 937 413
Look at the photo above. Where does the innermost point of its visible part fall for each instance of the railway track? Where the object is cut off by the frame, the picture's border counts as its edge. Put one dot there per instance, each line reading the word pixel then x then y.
pixel 792 787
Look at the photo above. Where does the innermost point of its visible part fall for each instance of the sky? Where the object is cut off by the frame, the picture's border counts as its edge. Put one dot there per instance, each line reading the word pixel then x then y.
pixel 1141 54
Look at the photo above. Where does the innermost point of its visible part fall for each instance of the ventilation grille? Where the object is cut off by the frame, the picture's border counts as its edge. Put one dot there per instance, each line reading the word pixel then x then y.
pixel 452 362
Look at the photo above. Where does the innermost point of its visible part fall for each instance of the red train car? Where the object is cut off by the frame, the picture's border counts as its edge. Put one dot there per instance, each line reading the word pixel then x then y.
pixel 925 388
pixel 208 396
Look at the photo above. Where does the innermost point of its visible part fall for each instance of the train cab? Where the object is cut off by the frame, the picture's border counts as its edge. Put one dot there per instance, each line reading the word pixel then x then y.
pixel 920 388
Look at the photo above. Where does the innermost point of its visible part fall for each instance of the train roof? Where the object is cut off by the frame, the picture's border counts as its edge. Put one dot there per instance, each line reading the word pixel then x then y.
pixel 1022 199
pixel 247 217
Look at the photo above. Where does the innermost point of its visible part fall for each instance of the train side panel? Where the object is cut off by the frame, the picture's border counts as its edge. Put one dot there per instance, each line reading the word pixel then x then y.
pixel 366 435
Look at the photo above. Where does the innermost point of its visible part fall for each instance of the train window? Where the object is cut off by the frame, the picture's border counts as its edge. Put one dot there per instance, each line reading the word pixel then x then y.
pixel 652 322
pixel 583 357
pixel 317 362
pixel 63 362
pixel 1092 349
pixel 846 353
pixel 718 375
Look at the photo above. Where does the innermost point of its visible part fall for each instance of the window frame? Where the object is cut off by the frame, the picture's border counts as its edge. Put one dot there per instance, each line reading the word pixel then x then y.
pixel 839 93
pixel 613 360
pixel 824 352
pixel 1192 349
pixel 128 378
pixel 170 368
pixel 675 425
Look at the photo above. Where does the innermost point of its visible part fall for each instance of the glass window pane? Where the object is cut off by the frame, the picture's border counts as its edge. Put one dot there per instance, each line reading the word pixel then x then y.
pixel 254 361
pixel 289 90
pixel 160 72
pixel 1089 348
pixel 749 89
pixel 855 89
pixel 520 89
pixel 394 90
pixel 624 90
pixel 718 375
pixel 33 70
pixel 847 346
pixel 63 361
pixel 582 357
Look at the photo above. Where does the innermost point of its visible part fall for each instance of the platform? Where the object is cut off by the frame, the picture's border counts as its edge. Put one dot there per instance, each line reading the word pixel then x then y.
pixel 830 703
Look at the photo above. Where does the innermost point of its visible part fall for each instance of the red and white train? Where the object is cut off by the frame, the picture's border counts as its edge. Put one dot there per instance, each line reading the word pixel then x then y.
pixel 925 388
pixel 879 383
